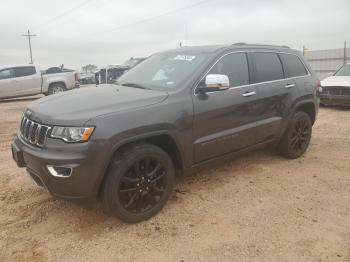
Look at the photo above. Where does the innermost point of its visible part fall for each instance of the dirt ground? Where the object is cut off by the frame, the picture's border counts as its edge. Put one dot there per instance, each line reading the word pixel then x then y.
pixel 258 207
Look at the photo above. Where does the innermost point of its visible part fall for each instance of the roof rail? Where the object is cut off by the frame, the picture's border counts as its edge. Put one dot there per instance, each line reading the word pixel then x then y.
pixel 242 43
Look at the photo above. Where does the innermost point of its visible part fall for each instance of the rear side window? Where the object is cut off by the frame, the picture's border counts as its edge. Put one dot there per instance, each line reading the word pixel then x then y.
pixel 235 66
pixel 25 71
pixel 293 66
pixel 53 70
pixel 268 67
pixel 7 73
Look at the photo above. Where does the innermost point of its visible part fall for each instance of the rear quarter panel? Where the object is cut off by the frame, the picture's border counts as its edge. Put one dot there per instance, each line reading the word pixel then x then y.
pixel 67 78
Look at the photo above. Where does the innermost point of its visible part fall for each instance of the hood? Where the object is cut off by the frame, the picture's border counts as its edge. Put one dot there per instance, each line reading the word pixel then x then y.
pixel 77 106
pixel 336 81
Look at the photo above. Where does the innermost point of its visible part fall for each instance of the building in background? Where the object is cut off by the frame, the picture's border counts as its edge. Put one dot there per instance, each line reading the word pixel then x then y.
pixel 324 62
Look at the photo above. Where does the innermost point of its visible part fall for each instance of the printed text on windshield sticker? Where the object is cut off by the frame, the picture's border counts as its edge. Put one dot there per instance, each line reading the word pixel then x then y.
pixel 185 57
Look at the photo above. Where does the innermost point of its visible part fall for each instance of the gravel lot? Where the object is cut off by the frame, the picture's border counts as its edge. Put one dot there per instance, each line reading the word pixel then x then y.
pixel 258 207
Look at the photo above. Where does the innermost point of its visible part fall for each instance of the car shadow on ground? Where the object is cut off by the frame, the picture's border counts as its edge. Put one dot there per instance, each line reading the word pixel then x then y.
pixel 340 108
pixel 95 214
pixel 22 99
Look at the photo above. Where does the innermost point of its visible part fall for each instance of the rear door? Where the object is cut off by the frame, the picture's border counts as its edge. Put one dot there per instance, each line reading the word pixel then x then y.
pixel 9 86
pixel 29 80
pixel 295 69
pixel 276 94
pixel 224 121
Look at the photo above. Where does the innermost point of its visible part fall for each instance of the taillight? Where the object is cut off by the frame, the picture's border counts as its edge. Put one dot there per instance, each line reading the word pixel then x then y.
pixel 318 83
pixel 76 77
pixel 318 86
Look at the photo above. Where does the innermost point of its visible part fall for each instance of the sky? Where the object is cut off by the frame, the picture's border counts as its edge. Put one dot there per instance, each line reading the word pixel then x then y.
pixel 104 32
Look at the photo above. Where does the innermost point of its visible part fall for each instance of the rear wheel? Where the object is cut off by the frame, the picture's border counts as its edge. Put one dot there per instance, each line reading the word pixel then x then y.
pixel 297 136
pixel 139 182
pixel 56 88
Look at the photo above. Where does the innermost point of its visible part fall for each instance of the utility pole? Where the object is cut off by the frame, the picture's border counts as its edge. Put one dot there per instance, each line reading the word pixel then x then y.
pixel 30 45
pixel 304 50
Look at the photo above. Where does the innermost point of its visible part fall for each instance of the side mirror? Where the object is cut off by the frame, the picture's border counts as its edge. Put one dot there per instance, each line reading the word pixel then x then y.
pixel 215 82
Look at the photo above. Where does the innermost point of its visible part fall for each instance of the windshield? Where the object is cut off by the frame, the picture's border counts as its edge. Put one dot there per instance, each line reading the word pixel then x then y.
pixel 344 71
pixel 163 71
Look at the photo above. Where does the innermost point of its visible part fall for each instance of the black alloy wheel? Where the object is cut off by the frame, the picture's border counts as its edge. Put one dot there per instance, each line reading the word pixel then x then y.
pixel 297 137
pixel 143 185
pixel 139 182
pixel 300 136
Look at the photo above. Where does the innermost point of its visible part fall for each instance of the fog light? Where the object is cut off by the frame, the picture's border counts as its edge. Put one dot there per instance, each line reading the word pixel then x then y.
pixel 60 171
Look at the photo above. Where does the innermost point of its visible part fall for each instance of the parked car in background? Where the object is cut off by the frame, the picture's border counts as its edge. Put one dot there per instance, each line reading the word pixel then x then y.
pixel 174 112
pixel 336 88
pixel 116 71
pixel 27 80
pixel 56 80
pixel 86 78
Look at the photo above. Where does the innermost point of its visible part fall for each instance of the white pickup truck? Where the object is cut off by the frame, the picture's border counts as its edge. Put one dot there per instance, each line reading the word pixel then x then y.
pixel 27 80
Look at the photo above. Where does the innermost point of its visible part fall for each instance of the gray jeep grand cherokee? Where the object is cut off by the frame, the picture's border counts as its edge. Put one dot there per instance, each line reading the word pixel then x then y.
pixel 174 112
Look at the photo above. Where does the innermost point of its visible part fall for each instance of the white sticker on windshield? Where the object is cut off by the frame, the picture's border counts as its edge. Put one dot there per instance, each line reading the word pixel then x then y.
pixel 185 57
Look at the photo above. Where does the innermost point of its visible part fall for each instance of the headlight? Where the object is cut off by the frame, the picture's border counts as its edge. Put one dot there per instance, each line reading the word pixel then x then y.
pixel 72 134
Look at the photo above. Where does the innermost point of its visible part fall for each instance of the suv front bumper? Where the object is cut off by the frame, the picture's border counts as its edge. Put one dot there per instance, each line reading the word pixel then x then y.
pixel 87 167
pixel 336 100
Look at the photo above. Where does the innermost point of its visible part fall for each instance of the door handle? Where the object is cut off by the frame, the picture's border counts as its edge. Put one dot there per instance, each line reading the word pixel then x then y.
pixel 289 86
pixel 248 94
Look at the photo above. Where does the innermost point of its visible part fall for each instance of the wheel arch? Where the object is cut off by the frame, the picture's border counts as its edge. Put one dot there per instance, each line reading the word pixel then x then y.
pixel 164 140
pixel 58 82
pixel 307 107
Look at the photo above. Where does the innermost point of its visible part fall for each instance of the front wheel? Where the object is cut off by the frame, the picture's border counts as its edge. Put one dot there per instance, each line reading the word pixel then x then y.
pixel 139 182
pixel 297 136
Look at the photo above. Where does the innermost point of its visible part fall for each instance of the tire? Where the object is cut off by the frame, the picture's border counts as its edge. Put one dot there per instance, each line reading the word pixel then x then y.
pixel 139 182
pixel 56 88
pixel 297 136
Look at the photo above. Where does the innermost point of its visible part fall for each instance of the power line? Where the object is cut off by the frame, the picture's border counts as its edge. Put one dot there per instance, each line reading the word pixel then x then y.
pixel 154 17
pixel 95 8
pixel 50 21
pixel 30 45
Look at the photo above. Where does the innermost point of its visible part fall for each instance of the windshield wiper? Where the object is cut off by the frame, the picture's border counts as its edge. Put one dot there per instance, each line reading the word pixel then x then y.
pixel 135 85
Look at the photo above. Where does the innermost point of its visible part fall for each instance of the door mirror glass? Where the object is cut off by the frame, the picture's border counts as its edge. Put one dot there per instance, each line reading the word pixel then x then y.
pixel 215 82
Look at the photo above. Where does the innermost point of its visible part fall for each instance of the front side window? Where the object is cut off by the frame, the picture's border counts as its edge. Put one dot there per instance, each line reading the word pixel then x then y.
pixel 293 66
pixel 25 71
pixel 164 71
pixel 7 73
pixel 344 71
pixel 268 67
pixel 235 66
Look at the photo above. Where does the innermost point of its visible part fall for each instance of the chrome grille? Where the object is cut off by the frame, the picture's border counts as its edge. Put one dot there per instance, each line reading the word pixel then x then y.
pixel 33 132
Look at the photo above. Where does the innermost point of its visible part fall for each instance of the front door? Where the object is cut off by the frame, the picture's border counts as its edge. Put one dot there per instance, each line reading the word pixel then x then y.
pixel 224 121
